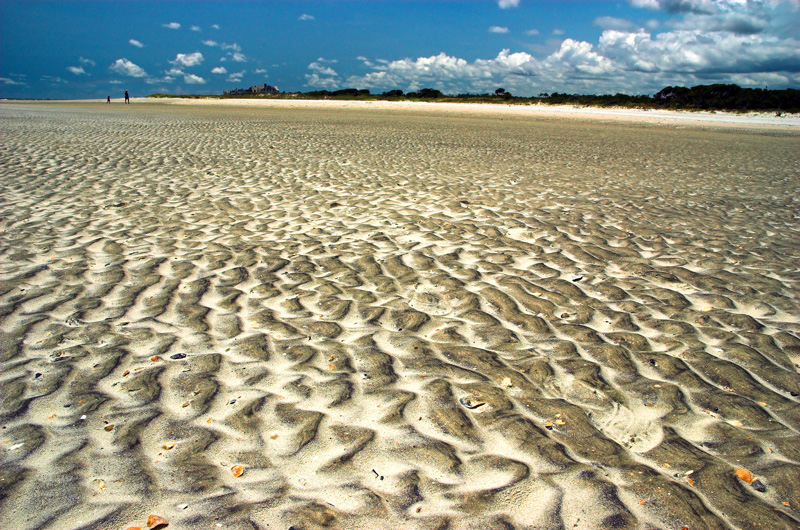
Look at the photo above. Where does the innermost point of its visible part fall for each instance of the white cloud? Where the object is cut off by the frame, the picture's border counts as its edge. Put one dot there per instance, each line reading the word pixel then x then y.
pixel 155 81
pixel 498 29
pixel 215 26
pixel 260 71
pixel 11 82
pixel 219 70
pixel 321 69
pixel 304 16
pixel 532 32
pixel 195 28
pixel 192 79
pixel 134 42
pixel 239 57
pixel 188 59
pixel 235 77
pixel 615 23
pixel 235 47
pixel 558 31
pixel 125 67
pixel 77 70
pixel 210 43
pixel 84 60
pixel 172 25
pixel 174 71
pixel 325 83
pixel 505 4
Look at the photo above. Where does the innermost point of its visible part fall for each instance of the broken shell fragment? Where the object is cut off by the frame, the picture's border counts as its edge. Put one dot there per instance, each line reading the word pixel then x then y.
pixel 471 403
pixel 156 521
pixel 744 475
pixel 237 470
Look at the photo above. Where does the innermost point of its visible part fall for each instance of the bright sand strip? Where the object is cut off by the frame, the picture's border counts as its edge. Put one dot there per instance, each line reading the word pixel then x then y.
pixel 412 317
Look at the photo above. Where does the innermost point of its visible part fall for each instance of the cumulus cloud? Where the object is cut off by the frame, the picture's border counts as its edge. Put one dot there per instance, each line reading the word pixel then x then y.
pixel 235 47
pixel 77 70
pixel 188 59
pixel 305 16
pixel 195 28
pixel 172 25
pixel 505 4
pixel 192 79
pixel 215 26
pixel 125 67
pixel 532 32
pixel 134 42
pixel 84 60
pixel 235 77
pixel 210 43
pixel 325 83
pixel 498 29
pixel 219 70
pixel 238 57
pixel 321 69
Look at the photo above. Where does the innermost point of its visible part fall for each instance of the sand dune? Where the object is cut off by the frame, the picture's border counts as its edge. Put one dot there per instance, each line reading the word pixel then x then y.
pixel 246 316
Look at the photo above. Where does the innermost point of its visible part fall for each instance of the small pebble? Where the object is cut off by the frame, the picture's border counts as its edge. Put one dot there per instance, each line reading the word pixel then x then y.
pixel 758 486
pixel 177 356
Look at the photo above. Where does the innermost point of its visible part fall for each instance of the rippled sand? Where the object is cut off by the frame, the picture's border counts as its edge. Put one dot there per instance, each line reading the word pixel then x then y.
pixel 392 318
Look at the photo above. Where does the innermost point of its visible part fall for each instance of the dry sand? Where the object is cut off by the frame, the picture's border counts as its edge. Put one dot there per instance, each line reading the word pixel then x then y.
pixel 395 317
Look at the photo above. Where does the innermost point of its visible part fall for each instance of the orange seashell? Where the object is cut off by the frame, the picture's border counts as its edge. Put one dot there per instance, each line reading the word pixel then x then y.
pixel 109 427
pixel 745 475
pixel 690 481
pixel 156 521
pixel 134 528
pixel 237 470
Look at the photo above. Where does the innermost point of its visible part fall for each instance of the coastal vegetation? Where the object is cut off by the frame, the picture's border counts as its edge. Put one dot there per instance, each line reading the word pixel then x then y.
pixel 702 97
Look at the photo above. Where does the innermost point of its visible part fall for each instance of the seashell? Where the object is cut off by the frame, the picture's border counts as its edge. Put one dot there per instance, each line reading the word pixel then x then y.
pixel 237 470
pixel 156 521
pixel 745 475
pixel 471 403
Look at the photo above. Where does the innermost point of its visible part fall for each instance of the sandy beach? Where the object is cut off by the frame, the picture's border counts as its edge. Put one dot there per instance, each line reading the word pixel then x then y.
pixel 275 315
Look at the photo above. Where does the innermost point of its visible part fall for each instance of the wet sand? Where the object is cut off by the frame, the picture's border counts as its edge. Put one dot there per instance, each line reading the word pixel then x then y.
pixel 308 316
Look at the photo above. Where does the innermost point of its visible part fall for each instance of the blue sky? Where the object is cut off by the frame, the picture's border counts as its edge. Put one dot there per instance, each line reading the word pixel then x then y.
pixel 90 49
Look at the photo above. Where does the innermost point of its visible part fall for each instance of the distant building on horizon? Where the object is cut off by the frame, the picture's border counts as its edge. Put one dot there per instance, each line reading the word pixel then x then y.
pixel 258 89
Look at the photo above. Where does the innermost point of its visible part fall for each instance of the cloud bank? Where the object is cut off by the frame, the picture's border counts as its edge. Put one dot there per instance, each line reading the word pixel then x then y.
pixel 742 42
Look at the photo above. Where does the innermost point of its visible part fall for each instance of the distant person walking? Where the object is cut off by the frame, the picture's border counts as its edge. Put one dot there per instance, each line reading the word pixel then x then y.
pixel 127 97
pixel 108 100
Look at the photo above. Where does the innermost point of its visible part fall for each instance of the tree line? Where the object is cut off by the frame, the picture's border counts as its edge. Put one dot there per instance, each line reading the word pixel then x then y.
pixel 701 97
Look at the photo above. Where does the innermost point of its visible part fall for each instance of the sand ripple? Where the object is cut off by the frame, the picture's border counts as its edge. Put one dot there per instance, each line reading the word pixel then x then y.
pixel 394 320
